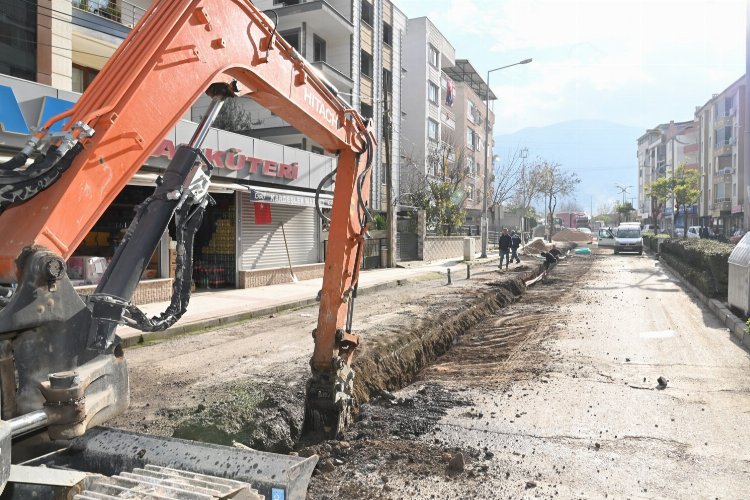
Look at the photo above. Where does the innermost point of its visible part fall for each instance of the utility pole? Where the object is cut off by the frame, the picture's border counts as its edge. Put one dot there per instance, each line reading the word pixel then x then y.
pixel 388 182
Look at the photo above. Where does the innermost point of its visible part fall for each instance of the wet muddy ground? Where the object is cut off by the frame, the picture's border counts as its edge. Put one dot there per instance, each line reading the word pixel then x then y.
pixel 245 383
pixel 395 450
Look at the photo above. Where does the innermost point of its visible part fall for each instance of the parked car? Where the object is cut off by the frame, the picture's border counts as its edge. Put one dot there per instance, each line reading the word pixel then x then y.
pixel 694 232
pixel 679 232
pixel 648 228
pixel 628 239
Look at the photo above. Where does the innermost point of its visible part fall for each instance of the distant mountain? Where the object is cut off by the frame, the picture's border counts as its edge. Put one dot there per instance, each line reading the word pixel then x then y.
pixel 601 153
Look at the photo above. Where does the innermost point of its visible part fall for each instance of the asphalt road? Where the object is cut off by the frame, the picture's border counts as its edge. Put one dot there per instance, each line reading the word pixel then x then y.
pixel 561 397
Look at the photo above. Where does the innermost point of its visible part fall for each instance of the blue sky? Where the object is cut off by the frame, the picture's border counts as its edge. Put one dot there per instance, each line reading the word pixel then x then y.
pixel 632 62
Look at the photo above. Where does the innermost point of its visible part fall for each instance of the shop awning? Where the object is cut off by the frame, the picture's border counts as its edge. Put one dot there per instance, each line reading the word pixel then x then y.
pixel 147 179
pixel 259 194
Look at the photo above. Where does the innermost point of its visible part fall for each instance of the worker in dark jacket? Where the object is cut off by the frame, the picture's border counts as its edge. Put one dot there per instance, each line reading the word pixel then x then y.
pixel 515 242
pixel 504 243
pixel 549 260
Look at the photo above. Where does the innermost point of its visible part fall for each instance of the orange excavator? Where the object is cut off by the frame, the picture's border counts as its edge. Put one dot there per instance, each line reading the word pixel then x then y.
pixel 62 368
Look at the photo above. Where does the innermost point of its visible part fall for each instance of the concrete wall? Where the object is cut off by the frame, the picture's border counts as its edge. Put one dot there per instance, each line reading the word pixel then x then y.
pixel 278 275
pixel 446 247
pixel 147 292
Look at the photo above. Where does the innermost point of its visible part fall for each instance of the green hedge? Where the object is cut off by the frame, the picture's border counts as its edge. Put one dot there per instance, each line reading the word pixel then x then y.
pixel 650 240
pixel 704 263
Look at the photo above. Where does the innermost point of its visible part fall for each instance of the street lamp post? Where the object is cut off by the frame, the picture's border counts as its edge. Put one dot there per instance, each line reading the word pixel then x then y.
pixel 487 155
pixel 623 190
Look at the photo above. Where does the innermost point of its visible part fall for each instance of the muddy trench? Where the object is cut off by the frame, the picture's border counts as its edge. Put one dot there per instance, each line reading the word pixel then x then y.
pixel 394 449
pixel 266 412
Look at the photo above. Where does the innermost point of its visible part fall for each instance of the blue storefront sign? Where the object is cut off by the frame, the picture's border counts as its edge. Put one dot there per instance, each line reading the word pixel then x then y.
pixel 13 121
pixel 692 210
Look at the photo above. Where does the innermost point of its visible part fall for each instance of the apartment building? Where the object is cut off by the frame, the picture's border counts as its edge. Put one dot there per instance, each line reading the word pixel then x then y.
pixel 661 150
pixel 724 181
pixel 53 51
pixel 470 131
pixel 356 46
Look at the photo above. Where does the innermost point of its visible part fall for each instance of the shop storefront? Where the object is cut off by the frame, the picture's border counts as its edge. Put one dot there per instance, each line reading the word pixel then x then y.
pixel 263 220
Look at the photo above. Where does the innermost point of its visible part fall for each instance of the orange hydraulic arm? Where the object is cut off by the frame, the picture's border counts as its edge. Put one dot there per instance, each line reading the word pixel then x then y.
pixel 178 49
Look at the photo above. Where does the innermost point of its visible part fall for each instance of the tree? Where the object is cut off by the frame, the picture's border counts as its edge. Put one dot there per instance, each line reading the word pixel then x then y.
pixel 508 175
pixel 447 162
pixel 442 192
pixel 624 209
pixel 571 205
pixel 233 117
pixel 527 190
pixel 683 187
pixel 555 183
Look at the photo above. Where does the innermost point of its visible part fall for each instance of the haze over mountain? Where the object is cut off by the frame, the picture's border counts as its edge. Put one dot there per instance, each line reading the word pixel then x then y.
pixel 602 153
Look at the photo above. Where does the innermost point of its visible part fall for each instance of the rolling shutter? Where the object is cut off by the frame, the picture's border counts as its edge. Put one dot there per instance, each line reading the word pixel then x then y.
pixel 262 246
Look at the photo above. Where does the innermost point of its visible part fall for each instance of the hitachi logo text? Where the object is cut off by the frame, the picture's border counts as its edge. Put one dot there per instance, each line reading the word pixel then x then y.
pixel 320 108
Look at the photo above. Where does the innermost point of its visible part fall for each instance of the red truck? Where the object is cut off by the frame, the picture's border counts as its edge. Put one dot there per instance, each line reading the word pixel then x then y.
pixel 574 220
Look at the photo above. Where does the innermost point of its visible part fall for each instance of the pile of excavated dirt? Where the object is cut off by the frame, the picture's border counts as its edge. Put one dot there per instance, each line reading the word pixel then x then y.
pixel 534 247
pixel 569 235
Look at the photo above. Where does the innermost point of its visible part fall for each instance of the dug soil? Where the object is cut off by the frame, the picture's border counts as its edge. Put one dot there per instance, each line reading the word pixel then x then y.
pixel 244 384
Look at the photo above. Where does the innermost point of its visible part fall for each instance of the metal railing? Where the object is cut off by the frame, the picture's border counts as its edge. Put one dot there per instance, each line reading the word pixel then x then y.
pixel 121 12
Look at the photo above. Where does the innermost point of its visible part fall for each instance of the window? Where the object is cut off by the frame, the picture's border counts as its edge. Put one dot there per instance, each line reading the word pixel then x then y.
pixel 387 34
pixel 470 192
pixel 366 110
pixel 365 63
pixel 469 138
pixel 19 37
pixel 432 56
pixel 368 14
pixel 82 77
pixel 387 80
pixel 433 92
pixel 317 150
pixel 319 49
pixel 470 165
pixel 432 130
pixel 292 36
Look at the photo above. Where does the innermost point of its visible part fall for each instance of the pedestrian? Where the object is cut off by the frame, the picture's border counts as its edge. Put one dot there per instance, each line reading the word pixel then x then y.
pixel 556 253
pixel 549 260
pixel 515 242
pixel 504 243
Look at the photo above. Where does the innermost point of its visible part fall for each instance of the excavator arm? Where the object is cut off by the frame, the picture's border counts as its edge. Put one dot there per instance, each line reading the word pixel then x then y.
pixel 61 364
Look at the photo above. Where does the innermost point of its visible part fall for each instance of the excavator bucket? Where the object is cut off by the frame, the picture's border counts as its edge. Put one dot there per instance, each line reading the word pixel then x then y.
pixel 113 463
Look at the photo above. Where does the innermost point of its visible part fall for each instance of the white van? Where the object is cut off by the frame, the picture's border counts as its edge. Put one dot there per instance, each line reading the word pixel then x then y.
pixel 628 239
pixel 606 238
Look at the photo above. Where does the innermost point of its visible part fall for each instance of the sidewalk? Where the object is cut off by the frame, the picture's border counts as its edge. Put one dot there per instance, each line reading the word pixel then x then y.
pixel 212 309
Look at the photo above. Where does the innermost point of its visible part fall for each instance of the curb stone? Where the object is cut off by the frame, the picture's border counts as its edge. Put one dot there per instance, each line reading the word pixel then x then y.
pixel 734 324
pixel 136 339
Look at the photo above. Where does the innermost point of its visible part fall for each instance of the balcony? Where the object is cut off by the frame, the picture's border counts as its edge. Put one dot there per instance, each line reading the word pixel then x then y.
pixel 320 17
pixel 448 118
pixel 341 81
pixel 724 146
pixel 725 172
pixel 120 12
pixel 723 204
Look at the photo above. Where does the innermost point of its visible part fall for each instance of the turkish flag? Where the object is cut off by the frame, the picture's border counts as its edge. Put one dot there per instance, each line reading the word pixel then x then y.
pixel 262 213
